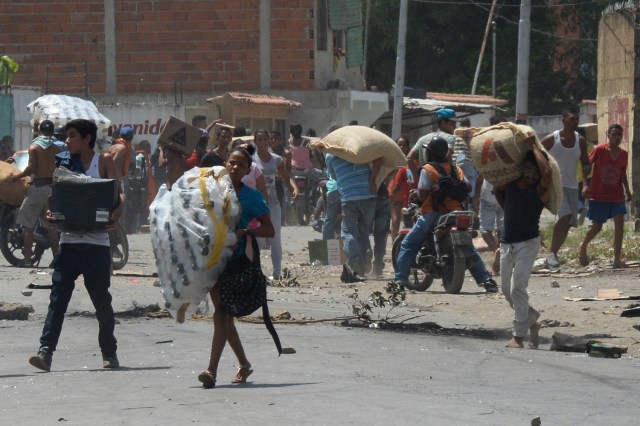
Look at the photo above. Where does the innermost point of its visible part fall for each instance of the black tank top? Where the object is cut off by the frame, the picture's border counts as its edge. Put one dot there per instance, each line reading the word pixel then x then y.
pixel 522 209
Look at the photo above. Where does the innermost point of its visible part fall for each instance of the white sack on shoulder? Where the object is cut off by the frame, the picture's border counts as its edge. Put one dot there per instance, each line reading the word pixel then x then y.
pixel 192 227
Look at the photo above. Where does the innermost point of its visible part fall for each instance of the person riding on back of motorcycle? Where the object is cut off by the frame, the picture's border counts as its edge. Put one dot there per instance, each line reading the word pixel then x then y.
pixel 430 210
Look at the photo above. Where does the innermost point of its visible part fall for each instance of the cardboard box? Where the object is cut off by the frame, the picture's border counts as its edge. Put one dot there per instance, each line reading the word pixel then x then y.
pixel 179 136
pixel 83 206
pixel 327 252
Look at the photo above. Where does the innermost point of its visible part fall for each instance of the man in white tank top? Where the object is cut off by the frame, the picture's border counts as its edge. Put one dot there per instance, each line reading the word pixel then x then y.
pixel 82 253
pixel 568 148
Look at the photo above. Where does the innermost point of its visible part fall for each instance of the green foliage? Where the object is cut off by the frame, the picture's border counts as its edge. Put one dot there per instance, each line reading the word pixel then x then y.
pixel 363 309
pixel 600 250
pixel 444 39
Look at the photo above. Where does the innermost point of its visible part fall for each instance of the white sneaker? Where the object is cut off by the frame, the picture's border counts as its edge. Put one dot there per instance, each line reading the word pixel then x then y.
pixel 552 261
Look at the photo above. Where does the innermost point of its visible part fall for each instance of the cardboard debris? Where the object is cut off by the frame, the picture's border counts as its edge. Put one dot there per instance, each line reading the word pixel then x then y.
pixel 603 294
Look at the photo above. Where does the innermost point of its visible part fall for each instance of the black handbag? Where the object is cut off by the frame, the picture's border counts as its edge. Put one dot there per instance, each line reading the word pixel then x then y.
pixel 243 289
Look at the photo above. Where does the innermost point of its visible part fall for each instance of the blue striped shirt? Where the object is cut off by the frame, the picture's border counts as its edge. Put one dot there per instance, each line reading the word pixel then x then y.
pixel 352 179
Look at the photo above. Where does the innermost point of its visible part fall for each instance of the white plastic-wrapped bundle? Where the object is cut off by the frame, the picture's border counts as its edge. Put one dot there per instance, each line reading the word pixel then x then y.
pixel 192 227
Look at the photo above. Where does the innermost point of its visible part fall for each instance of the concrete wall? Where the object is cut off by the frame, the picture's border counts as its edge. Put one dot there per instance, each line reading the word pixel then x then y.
pixel 618 73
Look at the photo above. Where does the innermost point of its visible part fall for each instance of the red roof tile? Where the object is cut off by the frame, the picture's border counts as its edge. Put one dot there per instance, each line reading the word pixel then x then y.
pixel 463 98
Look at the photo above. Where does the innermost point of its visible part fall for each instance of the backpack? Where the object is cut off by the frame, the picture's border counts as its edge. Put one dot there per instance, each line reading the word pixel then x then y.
pixel 448 186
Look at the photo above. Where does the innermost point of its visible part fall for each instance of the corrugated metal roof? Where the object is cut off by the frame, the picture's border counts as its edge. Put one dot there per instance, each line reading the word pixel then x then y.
pixel 257 99
pixel 466 99
pixel 434 105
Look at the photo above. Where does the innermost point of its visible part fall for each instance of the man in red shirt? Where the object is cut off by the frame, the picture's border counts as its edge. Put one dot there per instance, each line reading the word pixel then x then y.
pixel 609 187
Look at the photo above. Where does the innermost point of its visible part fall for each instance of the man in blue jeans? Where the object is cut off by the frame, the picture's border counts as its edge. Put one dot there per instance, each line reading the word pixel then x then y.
pixel 437 151
pixel 82 253
pixel 356 183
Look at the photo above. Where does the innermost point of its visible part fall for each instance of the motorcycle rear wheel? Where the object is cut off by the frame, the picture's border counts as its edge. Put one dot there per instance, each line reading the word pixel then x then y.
pixel 301 211
pixel 453 271
pixel 11 243
pixel 418 280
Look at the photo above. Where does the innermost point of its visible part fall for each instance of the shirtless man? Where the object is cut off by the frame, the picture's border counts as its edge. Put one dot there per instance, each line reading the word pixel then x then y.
pixel 121 152
pixel 42 163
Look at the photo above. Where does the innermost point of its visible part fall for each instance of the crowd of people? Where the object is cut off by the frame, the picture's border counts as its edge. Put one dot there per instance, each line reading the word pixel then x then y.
pixel 353 207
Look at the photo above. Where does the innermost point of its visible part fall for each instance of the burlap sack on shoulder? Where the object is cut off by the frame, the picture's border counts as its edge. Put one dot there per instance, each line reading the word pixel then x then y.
pixel 362 145
pixel 467 132
pixel 498 151
pixel 11 192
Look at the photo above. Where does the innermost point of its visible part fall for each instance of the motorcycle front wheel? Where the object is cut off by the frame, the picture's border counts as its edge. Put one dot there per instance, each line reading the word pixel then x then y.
pixel 119 247
pixel 454 269
pixel 11 243
pixel 418 280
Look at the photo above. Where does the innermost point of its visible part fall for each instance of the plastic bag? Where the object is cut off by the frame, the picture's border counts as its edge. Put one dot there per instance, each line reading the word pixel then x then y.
pixel 192 227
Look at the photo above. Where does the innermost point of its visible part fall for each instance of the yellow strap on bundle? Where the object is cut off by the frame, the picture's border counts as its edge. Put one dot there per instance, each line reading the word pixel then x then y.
pixel 221 235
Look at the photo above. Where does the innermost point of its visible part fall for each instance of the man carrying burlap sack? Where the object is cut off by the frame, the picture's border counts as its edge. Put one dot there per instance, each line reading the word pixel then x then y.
pixel 523 201
pixel 568 148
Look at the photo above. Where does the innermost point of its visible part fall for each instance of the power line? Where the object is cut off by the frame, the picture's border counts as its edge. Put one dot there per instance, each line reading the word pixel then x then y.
pixel 511 21
pixel 471 2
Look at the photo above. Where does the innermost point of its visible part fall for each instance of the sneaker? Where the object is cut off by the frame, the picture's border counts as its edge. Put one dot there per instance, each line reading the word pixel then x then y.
pixel 552 261
pixel 42 360
pixel 490 286
pixel 110 361
pixel 24 263
pixel 350 276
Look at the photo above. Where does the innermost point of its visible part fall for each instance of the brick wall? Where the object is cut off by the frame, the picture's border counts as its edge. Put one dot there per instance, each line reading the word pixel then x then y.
pixel 208 46
pixel 291 22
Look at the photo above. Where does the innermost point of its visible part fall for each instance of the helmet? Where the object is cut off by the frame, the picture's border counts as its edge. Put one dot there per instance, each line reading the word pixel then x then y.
pixel 46 126
pixel 126 131
pixel 438 147
pixel 60 132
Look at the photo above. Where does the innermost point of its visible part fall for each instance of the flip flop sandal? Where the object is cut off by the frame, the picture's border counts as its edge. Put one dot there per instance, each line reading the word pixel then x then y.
pixel 207 379
pixel 244 371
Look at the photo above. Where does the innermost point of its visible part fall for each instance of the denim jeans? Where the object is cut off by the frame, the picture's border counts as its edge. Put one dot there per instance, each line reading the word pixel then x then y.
pixel 413 241
pixel 332 213
pixel 357 218
pixel 94 263
pixel 276 240
pixel 381 222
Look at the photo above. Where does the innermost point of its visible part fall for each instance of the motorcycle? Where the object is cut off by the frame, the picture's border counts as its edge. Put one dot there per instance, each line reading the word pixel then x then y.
pixel 12 237
pixel 12 240
pixel 308 194
pixel 444 256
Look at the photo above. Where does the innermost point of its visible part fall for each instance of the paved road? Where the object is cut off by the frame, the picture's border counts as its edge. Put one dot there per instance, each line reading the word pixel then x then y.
pixel 339 375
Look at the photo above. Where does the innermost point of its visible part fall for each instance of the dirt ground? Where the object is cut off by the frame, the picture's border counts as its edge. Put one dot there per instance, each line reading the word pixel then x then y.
pixel 474 311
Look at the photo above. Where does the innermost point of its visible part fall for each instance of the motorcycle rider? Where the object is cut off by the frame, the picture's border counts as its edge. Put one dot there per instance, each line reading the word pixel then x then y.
pixel 438 152
pixel 42 154
pixel 302 164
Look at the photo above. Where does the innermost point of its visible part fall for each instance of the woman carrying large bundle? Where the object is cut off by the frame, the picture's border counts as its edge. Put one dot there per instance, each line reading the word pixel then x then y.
pixel 224 329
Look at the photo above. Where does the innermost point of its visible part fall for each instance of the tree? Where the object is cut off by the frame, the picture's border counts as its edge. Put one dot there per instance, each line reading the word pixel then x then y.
pixel 443 42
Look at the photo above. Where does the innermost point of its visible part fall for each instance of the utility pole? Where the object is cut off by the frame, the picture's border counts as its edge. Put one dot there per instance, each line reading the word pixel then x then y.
pixel 398 91
pixel 484 44
pixel 493 62
pixel 524 42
